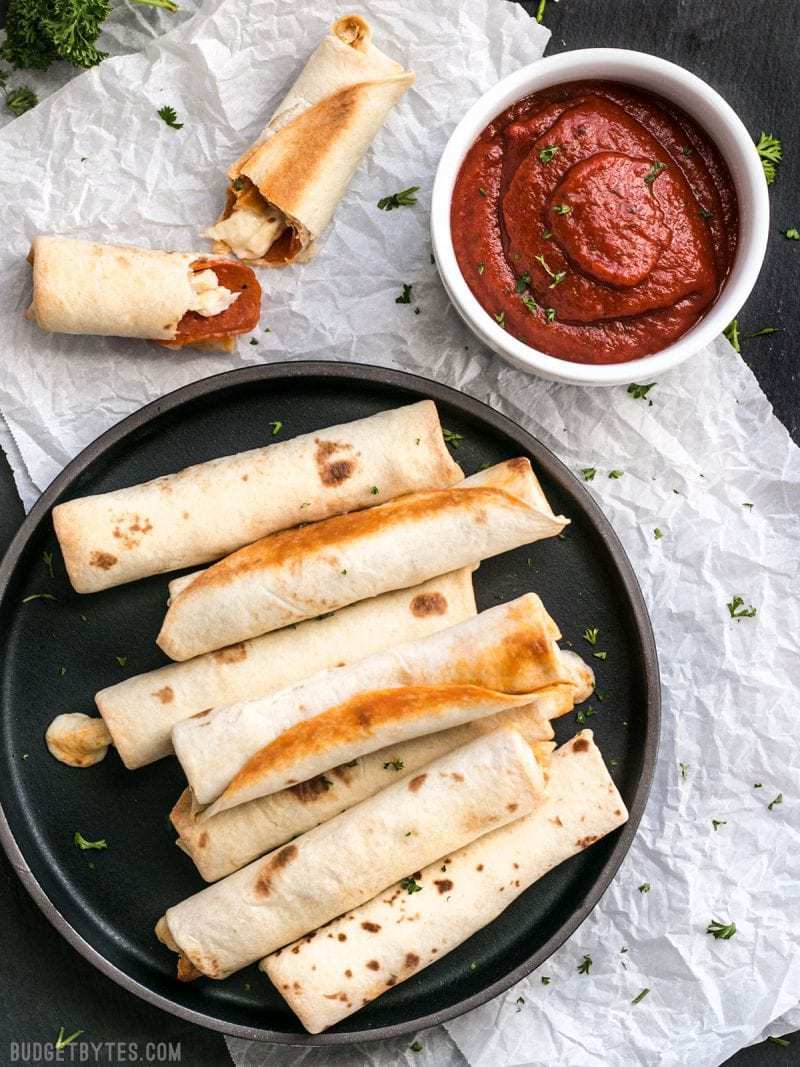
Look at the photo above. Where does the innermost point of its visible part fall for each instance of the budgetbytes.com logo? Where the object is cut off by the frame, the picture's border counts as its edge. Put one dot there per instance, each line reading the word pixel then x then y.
pixel 75 1048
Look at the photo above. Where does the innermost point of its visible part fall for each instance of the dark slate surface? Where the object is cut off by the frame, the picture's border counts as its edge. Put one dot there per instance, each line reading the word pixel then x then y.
pixel 750 51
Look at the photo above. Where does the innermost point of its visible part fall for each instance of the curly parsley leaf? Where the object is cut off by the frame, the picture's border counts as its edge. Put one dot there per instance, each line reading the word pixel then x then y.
pixel 731 332
pixel 410 886
pixel 170 116
pixel 737 610
pixel 655 169
pixel 792 233
pixel 405 198
pixel 770 151
pixel 778 800
pixel 21 99
pixel 79 840
pixel 405 296
pixel 547 153
pixel 721 931
pixel 585 965
pixel 639 392
pixel 588 473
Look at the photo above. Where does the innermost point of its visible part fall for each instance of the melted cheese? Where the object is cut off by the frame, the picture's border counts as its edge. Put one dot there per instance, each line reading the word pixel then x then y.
pixel 251 229
pixel 210 298
pixel 77 740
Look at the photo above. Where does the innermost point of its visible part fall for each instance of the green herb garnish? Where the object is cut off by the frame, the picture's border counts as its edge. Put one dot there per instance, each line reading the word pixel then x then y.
pixel 684 767
pixel 545 980
pixel 600 655
pixel 550 315
pixel 481 191
pixel 47 559
pixel 451 438
pixel 638 999
pixel 548 152
pixel 782 1042
pixel 416 1046
pixel 62 1040
pixel 540 10
pixel 121 660
pixel 639 392
pixel 38 596
pixel 557 276
pixel 687 151
pixel 169 116
pixel 658 533
pixel 405 198
pixel 793 234
pixel 721 931
pixel 778 800
pixel 737 609
pixel 523 281
pixel 277 426
pixel 519 1003
pixel 590 635
pixel 530 304
pixel 481 268
pixel 562 209
pixel 405 296
pixel 655 169
pixel 374 490
pixel 585 965
pixel 615 474
pixel 83 844
pixel 588 473
pixel 500 319
pixel 770 151
pixel 410 885
pixel 644 887
pixel 21 99
pixel 716 823
pixel 731 331
pixel 546 235
pixel 395 764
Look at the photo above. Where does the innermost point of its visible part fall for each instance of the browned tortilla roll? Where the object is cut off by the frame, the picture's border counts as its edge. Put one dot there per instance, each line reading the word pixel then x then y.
pixel 284 190
pixel 301 573
pixel 328 976
pixel 176 298
pixel 207 511
pixel 226 842
pixel 484 665
pixel 141 711
pixel 346 861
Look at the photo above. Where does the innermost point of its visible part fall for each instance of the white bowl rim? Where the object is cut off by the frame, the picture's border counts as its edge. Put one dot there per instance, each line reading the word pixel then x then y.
pixel 623 65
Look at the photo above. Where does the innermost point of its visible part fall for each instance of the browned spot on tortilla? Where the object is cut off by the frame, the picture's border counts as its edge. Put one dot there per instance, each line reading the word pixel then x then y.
pixel 618 812
pixel 372 928
pixel 428 604
pixel 584 842
pixel 479 867
pixel 245 477
pixel 232 654
pixel 342 937
pixel 104 560
pixel 334 468
pixel 412 959
pixel 331 996
pixel 444 885
pixel 373 965
pixel 185 515
pixel 359 719
pixel 140 525
pixel 165 695
pixel 274 863
pixel 308 791
pixel 186 970
pixel 348 973
pixel 457 776
pixel 201 714
pixel 511 807
pixel 391 980
pixel 202 840
pixel 580 745
pixel 295 949
pixel 417 783
pixel 557 820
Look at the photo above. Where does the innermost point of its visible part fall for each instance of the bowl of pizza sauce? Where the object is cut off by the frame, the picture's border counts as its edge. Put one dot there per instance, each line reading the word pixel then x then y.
pixel 599 216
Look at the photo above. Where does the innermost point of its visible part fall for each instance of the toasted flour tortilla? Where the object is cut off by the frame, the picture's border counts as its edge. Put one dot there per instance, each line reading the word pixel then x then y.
pixel 487 664
pixel 226 842
pixel 301 573
pixel 213 508
pixel 345 965
pixel 141 711
pixel 284 190
pixel 346 861
pixel 82 287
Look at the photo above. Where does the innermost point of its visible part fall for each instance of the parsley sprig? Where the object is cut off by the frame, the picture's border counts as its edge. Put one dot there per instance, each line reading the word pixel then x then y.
pixel 737 609
pixel 169 115
pixel 721 931
pixel 405 198
pixel 770 151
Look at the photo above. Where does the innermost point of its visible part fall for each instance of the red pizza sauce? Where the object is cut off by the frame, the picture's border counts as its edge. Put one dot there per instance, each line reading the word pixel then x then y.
pixel 595 222
pixel 241 317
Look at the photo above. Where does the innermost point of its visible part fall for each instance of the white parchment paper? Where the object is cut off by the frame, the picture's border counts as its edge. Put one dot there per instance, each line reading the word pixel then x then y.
pixel 94 160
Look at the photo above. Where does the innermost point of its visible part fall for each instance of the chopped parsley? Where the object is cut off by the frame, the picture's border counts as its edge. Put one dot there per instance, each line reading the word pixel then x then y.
pixel 615 474
pixel 253 341
pixel 721 931
pixel 530 304
pixel 590 635
pixel 588 473
pixel 658 533
pixel 169 115
pixel 638 999
pixel 405 198
pixel 557 276
pixel 778 800
pixel 38 596
pixel 395 764
pixel 639 392
pixel 547 153
pixel 410 886
pixel 737 609
pixel 481 191
pixel 562 209
pixel 644 887
pixel 523 281
pixel 545 980
pixel 655 169
pixel 21 99
pixel 451 438
pixel 540 10
pixel 546 235
pixel 416 1046
pixel 600 655
pixel 705 213
pixel 687 150
pixel 519 1003
pixel 121 660
pixel 550 315
pixel 793 234
pixel 277 426
pixel 585 965
pixel 500 319
pixel 374 490
pixel 79 840
pixel 747 505
pixel 62 1041
pixel 405 296
pixel 481 267
pixel 782 1042
pixel 765 331
pixel 770 151
pixel 758 785
pixel 684 768
pixel 47 559
pixel 326 782
pixel 716 823
pixel 731 331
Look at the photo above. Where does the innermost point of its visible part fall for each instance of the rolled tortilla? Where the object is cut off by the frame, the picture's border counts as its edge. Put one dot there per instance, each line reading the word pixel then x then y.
pixel 299 574
pixel 141 711
pixel 222 844
pixel 284 190
pixel 175 298
pixel 328 976
pixel 477 668
pixel 346 861
pixel 209 510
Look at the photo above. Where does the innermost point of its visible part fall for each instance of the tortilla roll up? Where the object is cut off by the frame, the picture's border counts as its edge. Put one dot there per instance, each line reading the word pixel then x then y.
pixel 284 190
pixel 345 965
pixel 174 298
pixel 301 573
pixel 344 862
pixel 209 510
pixel 141 711
pixel 482 666
pixel 222 844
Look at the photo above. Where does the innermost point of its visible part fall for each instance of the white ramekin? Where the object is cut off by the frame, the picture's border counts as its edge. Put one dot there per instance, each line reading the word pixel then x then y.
pixel 713 114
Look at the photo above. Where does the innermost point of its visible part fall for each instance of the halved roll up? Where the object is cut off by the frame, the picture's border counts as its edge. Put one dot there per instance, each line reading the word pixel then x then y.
pixel 226 842
pixel 208 510
pixel 484 665
pixel 298 574
pixel 328 976
pixel 141 711
pixel 349 859
pixel 284 190
pixel 175 298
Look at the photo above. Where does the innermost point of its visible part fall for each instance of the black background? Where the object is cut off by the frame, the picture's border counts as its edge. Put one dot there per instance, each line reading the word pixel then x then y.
pixel 748 50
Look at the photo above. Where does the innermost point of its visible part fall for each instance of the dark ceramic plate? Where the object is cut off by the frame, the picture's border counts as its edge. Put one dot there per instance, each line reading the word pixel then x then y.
pixel 54 654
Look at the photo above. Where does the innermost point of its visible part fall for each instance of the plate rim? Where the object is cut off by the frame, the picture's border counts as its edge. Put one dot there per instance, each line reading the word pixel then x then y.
pixel 548 461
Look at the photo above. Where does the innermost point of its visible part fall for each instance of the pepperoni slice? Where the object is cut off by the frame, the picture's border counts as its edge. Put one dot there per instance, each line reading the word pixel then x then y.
pixel 241 317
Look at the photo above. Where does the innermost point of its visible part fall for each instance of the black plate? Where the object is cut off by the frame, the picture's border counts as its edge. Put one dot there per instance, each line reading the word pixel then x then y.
pixel 56 654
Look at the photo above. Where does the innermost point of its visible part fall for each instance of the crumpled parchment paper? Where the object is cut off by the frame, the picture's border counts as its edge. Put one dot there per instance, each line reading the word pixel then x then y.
pixel 95 160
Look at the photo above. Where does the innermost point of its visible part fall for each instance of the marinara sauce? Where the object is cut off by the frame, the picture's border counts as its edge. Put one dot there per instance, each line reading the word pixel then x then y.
pixel 594 221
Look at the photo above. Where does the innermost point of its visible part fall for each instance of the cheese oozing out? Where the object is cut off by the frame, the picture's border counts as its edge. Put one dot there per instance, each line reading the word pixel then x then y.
pixel 252 227
pixel 210 298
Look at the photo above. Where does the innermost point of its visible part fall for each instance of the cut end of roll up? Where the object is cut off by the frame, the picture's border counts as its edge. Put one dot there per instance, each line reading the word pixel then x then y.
pixel 78 740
